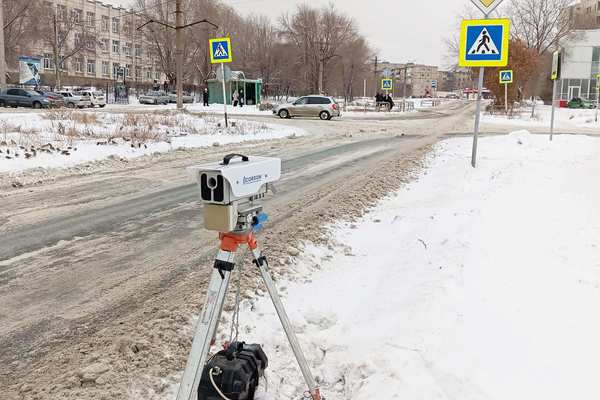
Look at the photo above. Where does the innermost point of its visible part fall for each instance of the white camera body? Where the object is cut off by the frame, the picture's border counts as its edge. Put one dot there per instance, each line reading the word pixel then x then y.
pixel 232 186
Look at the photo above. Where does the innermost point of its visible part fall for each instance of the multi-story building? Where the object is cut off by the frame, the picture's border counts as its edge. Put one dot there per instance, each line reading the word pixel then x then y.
pixel 419 79
pixel 113 47
pixel 580 65
pixel 583 15
pixel 456 80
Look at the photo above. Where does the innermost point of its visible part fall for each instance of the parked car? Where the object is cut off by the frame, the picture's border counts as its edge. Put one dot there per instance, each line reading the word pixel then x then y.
pixel 73 100
pixel 96 98
pixel 309 106
pixel 23 98
pixel 154 97
pixel 452 96
pixel 186 98
pixel 580 103
pixel 55 99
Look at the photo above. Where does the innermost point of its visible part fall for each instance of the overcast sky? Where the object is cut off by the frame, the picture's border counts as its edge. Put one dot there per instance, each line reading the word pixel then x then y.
pixel 400 30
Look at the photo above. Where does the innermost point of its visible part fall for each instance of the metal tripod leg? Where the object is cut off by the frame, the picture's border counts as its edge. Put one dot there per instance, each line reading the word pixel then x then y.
pixel 206 328
pixel 261 262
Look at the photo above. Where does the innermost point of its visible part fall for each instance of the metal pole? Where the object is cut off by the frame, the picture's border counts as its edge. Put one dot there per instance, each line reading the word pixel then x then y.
pixel 597 94
pixel 179 52
pixel 506 97
pixel 477 117
pixel 553 107
pixel 2 55
pixel 365 94
pixel 224 95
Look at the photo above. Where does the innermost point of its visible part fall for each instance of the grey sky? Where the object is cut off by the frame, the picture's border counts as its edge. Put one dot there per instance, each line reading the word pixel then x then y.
pixel 401 30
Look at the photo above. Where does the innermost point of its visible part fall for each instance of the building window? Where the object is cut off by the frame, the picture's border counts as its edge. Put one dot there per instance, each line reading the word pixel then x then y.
pixel 104 23
pixel 90 19
pixel 149 74
pixel 105 68
pixel 138 50
pixel 61 12
pixel 48 61
pixel 115 46
pixel 76 15
pixel 116 68
pixel 116 25
pixel 77 39
pixel 128 69
pixel 104 45
pixel 127 49
pixel 78 65
pixel 90 42
pixel 156 75
pixel 91 67
pixel 127 28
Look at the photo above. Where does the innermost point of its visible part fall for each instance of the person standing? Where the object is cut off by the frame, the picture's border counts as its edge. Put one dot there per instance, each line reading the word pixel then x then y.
pixel 205 97
pixel 235 98
pixel 388 99
pixel 241 97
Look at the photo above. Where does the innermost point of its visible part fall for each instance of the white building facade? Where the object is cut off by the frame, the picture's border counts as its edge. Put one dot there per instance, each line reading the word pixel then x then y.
pixel 580 65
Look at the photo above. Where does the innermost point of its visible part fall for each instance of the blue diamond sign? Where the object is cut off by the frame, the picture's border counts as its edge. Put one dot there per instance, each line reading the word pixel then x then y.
pixel 484 43
pixel 220 50
pixel 506 76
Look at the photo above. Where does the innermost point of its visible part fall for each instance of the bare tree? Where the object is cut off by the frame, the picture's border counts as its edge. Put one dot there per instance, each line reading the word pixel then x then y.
pixel 21 28
pixel 540 24
pixel 318 35
pixel 67 36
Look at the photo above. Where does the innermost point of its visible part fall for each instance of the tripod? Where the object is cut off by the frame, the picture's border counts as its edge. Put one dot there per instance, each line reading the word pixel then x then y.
pixel 207 324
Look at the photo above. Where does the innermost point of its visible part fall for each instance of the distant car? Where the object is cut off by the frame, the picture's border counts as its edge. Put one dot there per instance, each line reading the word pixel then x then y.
pixel 23 98
pixel 96 98
pixel 186 98
pixel 55 99
pixel 452 96
pixel 580 103
pixel 73 100
pixel 309 106
pixel 155 97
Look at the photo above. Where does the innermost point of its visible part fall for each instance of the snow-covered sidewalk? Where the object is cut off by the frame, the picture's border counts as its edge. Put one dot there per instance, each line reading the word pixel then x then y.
pixel 466 284
pixel 565 118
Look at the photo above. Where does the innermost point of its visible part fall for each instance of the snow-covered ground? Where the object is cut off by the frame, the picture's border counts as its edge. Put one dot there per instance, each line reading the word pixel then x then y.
pixel 565 118
pixel 466 284
pixel 65 138
pixel 194 107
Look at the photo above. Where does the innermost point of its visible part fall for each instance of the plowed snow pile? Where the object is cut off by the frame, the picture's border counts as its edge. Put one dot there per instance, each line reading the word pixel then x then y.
pixel 466 284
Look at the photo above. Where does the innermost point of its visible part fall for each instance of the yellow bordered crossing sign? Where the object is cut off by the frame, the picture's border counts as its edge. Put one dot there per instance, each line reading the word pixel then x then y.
pixel 506 76
pixel 386 84
pixel 484 43
pixel 220 50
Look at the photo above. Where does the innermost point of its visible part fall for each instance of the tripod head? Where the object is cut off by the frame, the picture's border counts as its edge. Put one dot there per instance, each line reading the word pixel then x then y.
pixel 232 191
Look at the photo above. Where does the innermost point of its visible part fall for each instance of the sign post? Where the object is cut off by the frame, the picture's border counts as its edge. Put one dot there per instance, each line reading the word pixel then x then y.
pixel 220 53
pixel 555 77
pixel 597 94
pixel 483 43
pixel 506 77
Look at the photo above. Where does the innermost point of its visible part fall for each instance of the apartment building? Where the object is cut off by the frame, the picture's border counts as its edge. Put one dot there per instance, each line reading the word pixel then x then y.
pixel 113 48
pixel 584 14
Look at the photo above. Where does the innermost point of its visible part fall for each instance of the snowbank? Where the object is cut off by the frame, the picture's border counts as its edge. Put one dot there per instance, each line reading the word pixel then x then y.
pixel 467 284
pixel 564 118
pixel 65 139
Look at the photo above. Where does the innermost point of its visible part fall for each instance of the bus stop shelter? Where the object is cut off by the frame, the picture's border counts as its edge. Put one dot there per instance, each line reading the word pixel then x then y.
pixel 250 89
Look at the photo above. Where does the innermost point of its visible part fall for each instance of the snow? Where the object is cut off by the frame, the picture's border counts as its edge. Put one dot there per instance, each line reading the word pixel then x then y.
pixel 193 107
pixel 155 134
pixel 565 118
pixel 466 284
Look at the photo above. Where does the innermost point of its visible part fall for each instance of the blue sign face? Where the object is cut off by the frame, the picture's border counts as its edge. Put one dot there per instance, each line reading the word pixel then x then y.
pixel 506 76
pixel 484 43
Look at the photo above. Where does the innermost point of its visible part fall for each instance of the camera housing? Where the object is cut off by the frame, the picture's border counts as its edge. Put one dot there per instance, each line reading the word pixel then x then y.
pixel 231 189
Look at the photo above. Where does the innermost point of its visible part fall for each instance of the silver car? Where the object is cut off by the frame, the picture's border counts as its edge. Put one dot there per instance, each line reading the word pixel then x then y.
pixel 310 106
pixel 73 100
pixel 155 97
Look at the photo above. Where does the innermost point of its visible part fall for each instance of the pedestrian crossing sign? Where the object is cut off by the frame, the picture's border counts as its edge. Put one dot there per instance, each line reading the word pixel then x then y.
pixel 506 76
pixel 386 84
pixel 220 50
pixel 484 43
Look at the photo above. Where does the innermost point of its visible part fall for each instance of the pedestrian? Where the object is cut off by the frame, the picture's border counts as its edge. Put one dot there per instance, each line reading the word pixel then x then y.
pixel 388 99
pixel 235 97
pixel 156 86
pixel 241 98
pixel 205 97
